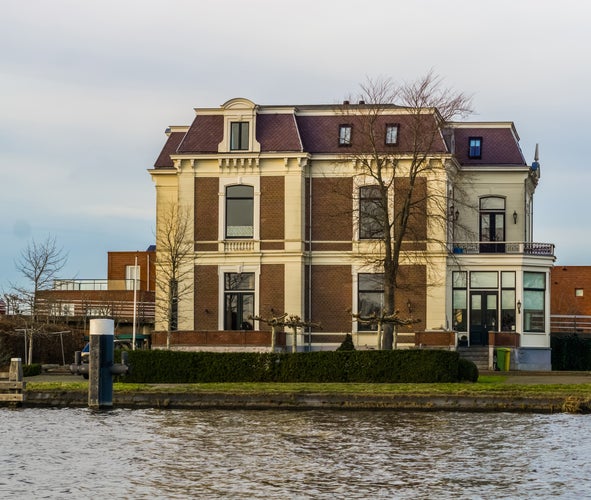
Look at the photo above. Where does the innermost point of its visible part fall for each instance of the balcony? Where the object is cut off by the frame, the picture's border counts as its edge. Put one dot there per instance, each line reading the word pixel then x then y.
pixel 502 247
pixel 239 245
pixel 96 284
pixel 81 284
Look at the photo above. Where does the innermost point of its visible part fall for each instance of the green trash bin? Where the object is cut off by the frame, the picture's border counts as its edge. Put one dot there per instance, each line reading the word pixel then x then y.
pixel 503 358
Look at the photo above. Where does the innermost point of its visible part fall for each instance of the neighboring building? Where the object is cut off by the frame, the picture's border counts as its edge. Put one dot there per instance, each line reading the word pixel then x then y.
pixel 571 299
pixel 130 280
pixel 275 194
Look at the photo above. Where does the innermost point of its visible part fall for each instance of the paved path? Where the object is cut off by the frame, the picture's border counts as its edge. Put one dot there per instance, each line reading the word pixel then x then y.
pixel 535 378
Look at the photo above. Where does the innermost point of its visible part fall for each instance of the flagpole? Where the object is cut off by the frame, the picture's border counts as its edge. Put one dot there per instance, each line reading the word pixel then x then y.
pixel 134 303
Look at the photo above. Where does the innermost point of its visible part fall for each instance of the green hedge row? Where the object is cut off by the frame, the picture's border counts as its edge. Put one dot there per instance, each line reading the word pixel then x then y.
pixel 160 366
pixel 32 370
pixel 571 353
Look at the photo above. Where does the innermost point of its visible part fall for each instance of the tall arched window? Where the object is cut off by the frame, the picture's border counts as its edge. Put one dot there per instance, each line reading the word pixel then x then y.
pixel 492 224
pixel 239 211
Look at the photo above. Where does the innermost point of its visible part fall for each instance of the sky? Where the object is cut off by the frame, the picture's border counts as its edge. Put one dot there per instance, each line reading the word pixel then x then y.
pixel 87 90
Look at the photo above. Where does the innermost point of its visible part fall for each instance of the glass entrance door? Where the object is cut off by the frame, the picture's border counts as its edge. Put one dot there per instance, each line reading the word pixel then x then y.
pixel 483 316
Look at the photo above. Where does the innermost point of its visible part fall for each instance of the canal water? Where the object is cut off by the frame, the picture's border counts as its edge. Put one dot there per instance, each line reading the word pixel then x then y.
pixel 63 453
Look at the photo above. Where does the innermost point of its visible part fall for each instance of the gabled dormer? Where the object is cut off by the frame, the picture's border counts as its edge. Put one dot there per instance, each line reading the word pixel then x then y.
pixel 239 127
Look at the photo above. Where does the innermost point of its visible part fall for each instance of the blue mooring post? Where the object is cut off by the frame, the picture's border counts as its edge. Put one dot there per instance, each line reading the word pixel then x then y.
pixel 100 378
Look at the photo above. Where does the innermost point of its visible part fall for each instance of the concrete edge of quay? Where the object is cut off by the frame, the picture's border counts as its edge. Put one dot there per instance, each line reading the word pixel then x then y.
pixel 316 401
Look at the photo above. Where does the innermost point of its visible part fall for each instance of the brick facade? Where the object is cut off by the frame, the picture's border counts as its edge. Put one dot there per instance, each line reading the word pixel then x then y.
pixel 332 207
pixel 206 297
pixel 206 219
pixel 272 213
pixel 566 280
pixel 331 297
pixel 272 292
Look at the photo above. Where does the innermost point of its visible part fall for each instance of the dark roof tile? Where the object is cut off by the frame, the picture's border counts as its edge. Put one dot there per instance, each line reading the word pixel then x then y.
pixel 277 132
pixel 499 146
pixel 204 135
pixel 170 147
pixel 320 134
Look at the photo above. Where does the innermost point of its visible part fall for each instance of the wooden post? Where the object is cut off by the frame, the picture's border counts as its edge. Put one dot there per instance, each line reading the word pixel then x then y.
pixel 15 373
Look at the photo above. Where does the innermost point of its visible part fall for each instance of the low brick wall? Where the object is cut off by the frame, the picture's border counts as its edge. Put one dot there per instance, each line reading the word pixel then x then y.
pixel 503 339
pixel 435 338
pixel 245 338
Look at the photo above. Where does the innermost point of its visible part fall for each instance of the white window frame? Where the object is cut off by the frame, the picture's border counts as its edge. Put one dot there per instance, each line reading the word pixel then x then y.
pixel 250 180
pixel 390 127
pixel 222 270
pixel 358 183
pixel 132 272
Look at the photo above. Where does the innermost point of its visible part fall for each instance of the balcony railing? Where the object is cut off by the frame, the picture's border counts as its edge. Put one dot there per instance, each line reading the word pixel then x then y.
pixel 81 284
pixel 239 245
pixel 505 247
pixel 96 285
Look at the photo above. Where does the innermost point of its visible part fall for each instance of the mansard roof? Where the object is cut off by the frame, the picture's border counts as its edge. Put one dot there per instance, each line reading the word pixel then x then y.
pixel 278 132
pixel 314 129
pixel 320 133
pixel 170 147
pixel 500 144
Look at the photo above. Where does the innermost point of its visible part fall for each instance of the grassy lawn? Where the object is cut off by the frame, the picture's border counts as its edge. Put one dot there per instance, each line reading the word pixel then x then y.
pixel 486 385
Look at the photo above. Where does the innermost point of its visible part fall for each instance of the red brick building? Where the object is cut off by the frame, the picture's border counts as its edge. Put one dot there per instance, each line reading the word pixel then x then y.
pixel 131 279
pixel 279 204
pixel 571 299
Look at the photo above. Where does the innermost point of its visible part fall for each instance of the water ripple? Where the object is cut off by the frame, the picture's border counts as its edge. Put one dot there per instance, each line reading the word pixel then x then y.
pixel 57 453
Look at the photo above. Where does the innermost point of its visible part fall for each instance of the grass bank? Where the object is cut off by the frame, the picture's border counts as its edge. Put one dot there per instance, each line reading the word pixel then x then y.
pixel 487 385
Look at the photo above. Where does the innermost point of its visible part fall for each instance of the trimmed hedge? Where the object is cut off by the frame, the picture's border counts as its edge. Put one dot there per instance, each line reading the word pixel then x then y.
pixel 32 370
pixel 467 370
pixel 571 353
pixel 160 366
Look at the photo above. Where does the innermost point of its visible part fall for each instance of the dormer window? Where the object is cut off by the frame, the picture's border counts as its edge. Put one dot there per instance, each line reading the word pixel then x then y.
pixel 345 135
pixel 475 148
pixel 391 134
pixel 239 136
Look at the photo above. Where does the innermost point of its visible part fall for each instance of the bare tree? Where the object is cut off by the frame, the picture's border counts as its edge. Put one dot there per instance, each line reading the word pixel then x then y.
pixel 400 201
pixel 174 249
pixel 39 263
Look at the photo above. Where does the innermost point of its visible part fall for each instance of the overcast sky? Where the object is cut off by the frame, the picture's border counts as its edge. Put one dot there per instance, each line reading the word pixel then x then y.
pixel 88 88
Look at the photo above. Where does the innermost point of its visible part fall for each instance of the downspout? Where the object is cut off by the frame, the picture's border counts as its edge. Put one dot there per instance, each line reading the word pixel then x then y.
pixel 527 227
pixel 148 273
pixel 309 253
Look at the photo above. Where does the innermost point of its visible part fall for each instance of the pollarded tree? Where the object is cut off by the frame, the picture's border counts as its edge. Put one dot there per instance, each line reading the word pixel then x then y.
pixel 174 272
pixel 396 138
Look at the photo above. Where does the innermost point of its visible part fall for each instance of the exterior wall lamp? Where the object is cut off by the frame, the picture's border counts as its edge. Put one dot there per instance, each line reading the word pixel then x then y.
pixel 409 306
pixel 514 217
pixel 453 214
pixel 519 306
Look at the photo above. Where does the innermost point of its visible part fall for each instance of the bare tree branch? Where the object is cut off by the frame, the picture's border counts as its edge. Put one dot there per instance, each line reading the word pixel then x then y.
pixel 406 195
pixel 39 263
pixel 174 249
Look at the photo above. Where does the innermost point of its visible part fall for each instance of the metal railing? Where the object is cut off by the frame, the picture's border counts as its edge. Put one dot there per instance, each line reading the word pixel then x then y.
pixel 502 247
pixel 95 284
pixel 570 323
pixel 95 308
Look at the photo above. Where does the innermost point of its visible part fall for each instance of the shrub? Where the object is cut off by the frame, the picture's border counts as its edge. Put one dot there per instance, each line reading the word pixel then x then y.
pixel 467 370
pixel 31 370
pixel 571 353
pixel 416 365
pixel 347 344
